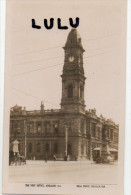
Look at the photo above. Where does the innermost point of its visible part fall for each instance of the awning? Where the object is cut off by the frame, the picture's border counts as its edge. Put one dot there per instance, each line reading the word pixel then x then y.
pixel 113 150
pixel 110 149
pixel 96 149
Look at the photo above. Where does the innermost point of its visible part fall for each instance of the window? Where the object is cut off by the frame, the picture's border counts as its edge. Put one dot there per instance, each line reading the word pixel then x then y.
pixel 47 148
pixel 82 149
pixel 93 130
pixel 47 126
pixel 111 134
pixel 70 91
pixel 38 147
pixel 106 133
pixel 55 148
pixel 69 149
pixel 39 128
pixel 98 132
pixel 56 127
pixel 30 147
pixel 30 128
pixel 82 126
pixel 115 137
pixel 81 91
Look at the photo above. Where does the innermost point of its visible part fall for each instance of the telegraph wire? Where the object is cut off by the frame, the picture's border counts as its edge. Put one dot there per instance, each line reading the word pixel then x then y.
pixel 113 34
pixel 42 60
pixel 24 53
pixel 99 54
pixel 34 51
pixel 33 96
pixel 56 65
pixel 37 70
pixel 38 60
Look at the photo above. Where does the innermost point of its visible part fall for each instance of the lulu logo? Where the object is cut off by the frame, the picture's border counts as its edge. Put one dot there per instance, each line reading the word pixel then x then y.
pixel 49 24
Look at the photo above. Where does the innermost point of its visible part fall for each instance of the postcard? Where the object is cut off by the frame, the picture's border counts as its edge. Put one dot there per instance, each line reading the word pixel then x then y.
pixel 64 106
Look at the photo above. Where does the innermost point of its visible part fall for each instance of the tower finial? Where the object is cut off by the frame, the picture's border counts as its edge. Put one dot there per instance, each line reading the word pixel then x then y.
pixel 74 40
pixel 42 106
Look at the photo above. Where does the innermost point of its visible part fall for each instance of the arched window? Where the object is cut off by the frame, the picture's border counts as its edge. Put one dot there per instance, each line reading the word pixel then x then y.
pixel 69 149
pixel 70 91
pixel 30 147
pixel 81 91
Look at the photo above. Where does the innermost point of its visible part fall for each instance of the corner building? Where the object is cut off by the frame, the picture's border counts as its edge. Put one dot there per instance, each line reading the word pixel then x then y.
pixel 71 130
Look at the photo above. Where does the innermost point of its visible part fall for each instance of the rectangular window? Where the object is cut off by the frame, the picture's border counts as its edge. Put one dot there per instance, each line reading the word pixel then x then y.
pixel 47 126
pixel 93 130
pixel 98 132
pixel 39 127
pixel 30 147
pixel 82 126
pixel 55 148
pixel 47 147
pixel 30 128
pixel 38 147
pixel 111 134
pixel 56 127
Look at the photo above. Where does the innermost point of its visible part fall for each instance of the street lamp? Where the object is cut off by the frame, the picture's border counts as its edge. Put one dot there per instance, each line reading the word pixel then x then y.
pixel 66 141
pixel 25 131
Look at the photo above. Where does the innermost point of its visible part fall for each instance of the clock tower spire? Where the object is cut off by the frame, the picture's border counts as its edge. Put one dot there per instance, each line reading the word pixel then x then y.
pixel 73 79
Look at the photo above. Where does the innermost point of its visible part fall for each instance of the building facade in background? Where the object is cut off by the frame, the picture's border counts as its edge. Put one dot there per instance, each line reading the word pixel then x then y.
pixel 70 131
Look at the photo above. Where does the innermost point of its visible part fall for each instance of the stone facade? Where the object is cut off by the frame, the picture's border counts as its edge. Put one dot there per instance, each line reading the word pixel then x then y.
pixel 71 130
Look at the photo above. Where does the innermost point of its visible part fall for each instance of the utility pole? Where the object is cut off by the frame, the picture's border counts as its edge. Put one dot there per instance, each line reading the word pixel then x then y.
pixel 66 141
pixel 25 131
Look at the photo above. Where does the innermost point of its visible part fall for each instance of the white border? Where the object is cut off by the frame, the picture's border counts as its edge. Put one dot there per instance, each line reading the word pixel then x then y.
pixel 2 59
pixel 127 190
pixel 127 181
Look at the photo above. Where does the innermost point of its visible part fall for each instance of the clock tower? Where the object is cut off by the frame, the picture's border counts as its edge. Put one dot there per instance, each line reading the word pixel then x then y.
pixel 73 79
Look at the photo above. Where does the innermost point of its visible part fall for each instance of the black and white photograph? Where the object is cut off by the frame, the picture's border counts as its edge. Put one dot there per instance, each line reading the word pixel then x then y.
pixel 64 106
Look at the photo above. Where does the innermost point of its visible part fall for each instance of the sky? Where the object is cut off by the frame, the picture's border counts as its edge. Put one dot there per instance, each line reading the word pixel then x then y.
pixel 35 58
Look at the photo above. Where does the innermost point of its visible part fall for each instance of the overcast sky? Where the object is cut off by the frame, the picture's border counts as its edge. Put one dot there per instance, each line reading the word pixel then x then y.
pixel 34 58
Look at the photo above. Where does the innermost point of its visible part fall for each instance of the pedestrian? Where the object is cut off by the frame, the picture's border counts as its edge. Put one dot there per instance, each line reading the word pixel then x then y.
pixel 54 157
pixel 46 158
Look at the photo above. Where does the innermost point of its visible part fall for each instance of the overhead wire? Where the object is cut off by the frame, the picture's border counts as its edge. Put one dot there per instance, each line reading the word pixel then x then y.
pixel 34 51
pixel 34 96
pixel 56 65
pixel 42 60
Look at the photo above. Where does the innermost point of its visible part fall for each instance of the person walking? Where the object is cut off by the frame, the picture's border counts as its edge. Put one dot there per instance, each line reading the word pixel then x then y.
pixel 54 157
pixel 46 158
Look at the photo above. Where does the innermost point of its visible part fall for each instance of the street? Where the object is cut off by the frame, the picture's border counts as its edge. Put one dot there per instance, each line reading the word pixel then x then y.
pixel 64 172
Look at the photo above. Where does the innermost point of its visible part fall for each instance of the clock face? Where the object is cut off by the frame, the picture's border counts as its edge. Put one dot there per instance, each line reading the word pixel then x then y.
pixel 71 58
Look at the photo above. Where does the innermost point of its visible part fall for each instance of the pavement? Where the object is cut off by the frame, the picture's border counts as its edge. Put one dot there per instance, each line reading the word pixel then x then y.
pixel 64 172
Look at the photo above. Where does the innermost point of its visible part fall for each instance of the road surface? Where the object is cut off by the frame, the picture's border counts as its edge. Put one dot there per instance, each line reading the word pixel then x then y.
pixel 64 172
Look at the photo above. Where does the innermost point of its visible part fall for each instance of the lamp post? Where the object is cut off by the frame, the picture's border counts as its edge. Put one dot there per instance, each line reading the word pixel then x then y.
pixel 25 131
pixel 66 141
